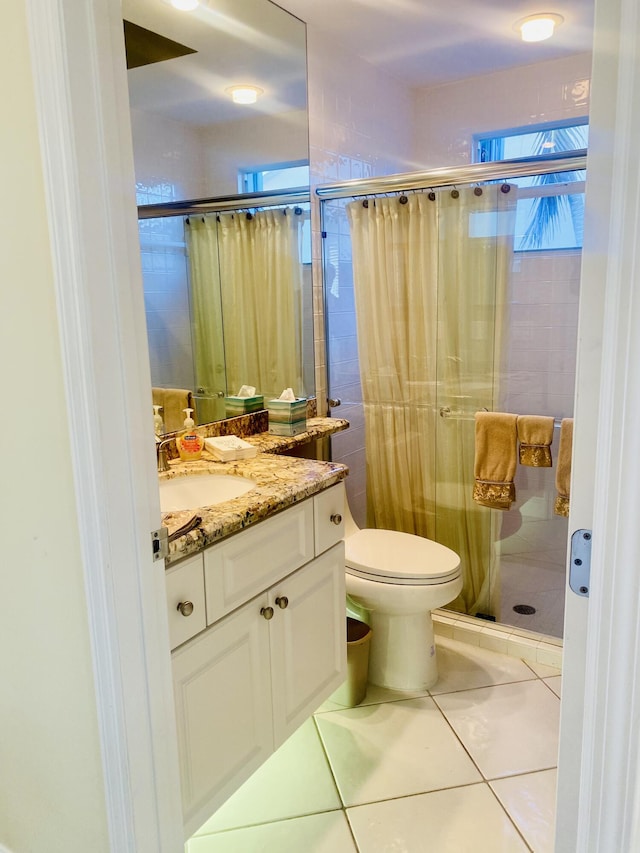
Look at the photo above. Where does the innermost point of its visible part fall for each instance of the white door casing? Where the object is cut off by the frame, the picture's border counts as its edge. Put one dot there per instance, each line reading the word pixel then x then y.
pixel 599 765
pixel 80 85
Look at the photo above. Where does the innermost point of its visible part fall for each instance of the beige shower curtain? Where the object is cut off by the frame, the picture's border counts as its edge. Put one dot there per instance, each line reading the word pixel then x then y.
pixel 206 312
pixel 430 280
pixel 261 294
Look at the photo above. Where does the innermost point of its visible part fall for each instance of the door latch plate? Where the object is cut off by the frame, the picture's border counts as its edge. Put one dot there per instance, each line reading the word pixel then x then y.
pixel 160 543
pixel 580 569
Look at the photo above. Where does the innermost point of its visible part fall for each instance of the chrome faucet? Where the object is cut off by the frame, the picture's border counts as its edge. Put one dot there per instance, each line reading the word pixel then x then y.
pixel 161 454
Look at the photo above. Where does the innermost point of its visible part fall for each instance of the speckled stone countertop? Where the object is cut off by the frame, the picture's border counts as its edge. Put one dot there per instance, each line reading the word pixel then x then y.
pixel 316 428
pixel 281 481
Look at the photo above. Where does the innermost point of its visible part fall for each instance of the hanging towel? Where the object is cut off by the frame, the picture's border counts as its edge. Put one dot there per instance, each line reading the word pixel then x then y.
pixel 535 434
pixel 496 459
pixel 563 467
pixel 173 401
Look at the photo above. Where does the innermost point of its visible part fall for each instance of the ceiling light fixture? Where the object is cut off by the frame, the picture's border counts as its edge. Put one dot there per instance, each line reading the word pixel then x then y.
pixel 244 94
pixel 185 5
pixel 538 27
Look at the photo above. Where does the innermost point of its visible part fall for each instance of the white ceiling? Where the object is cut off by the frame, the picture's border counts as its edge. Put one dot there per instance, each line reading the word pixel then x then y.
pixel 249 42
pixel 428 42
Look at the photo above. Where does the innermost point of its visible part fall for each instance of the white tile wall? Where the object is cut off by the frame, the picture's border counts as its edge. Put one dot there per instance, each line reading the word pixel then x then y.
pixel 447 116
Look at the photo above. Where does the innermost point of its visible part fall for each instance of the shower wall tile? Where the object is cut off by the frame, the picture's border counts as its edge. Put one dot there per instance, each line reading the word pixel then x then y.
pixel 446 117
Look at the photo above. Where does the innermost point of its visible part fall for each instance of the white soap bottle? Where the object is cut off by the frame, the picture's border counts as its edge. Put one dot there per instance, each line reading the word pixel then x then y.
pixel 158 425
pixel 190 444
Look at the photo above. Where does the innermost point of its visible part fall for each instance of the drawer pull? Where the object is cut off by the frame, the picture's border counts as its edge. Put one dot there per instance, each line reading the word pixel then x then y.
pixel 282 601
pixel 336 518
pixel 267 612
pixel 185 607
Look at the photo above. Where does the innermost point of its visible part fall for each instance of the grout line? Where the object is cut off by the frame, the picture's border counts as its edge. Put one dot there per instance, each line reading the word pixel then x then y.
pixel 417 794
pixel 509 818
pixel 484 686
pixel 327 758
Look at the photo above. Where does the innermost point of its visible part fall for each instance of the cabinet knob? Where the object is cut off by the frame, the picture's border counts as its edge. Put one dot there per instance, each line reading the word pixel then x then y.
pixel 267 612
pixel 185 607
pixel 282 601
pixel 336 518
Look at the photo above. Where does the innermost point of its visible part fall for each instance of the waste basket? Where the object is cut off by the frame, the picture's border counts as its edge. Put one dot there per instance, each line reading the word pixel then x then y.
pixel 353 691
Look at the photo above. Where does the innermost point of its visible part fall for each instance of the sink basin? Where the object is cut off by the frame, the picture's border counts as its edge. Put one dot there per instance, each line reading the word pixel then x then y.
pixel 203 490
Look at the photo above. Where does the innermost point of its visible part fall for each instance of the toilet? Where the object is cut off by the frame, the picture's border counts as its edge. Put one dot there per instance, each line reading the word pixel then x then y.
pixel 400 578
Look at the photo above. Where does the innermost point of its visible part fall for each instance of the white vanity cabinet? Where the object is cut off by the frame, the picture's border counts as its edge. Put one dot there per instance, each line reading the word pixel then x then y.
pixel 274 649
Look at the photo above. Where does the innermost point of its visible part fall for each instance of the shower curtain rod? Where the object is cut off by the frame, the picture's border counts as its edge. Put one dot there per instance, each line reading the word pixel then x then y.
pixel 296 195
pixel 522 167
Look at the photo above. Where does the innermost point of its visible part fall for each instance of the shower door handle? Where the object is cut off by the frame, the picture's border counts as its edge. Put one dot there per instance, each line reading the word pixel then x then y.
pixel 334 402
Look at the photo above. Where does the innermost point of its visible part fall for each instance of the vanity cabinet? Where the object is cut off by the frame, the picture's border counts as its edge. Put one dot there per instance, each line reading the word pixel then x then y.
pixel 273 650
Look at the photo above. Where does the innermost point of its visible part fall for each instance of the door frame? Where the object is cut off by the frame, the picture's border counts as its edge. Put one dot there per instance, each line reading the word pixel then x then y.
pixel 79 79
pixel 599 768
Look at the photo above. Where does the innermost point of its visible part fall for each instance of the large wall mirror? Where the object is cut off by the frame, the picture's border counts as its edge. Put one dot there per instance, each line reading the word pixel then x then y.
pixel 227 284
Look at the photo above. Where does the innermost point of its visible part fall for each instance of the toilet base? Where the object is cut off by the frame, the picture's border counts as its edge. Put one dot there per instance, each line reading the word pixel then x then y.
pixel 403 651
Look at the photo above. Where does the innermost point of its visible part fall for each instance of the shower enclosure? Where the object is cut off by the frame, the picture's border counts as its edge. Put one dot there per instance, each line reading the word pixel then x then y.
pixel 438 305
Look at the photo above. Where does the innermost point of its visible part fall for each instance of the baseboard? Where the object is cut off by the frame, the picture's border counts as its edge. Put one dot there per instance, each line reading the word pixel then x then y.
pixel 516 642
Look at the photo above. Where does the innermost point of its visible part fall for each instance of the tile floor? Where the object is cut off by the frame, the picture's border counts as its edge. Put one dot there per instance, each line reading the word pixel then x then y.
pixel 468 766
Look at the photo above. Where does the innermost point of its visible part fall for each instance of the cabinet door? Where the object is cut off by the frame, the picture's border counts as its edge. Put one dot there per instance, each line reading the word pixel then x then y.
pixel 308 642
pixel 328 517
pixel 185 600
pixel 221 682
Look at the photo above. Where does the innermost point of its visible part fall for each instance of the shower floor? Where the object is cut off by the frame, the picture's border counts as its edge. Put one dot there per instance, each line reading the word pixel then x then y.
pixel 532 565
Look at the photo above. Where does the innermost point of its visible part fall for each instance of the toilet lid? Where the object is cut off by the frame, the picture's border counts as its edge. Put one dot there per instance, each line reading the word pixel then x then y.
pixel 394 557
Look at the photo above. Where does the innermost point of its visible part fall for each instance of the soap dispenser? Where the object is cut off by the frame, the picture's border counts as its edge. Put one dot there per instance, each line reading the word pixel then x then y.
pixel 189 443
pixel 158 425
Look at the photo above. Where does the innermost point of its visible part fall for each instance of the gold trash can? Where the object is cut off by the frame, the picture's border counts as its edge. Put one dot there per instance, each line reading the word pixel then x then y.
pixel 354 689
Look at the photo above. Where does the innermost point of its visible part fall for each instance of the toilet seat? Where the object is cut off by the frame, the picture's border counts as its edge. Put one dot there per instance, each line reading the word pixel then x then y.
pixel 388 556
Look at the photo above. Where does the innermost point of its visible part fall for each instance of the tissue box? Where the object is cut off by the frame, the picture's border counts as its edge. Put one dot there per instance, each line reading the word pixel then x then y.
pixel 243 405
pixel 285 412
pixel 294 428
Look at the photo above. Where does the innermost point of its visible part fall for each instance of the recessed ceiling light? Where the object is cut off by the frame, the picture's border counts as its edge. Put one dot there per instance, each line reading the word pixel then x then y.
pixel 185 5
pixel 538 27
pixel 244 94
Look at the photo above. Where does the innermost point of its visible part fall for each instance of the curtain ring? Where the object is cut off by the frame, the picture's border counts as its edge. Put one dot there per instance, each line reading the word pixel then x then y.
pixel 455 193
pixel 249 216
pixel 432 196
pixel 505 188
pixel 297 211
pixel 477 191
pixel 403 199
pixel 365 203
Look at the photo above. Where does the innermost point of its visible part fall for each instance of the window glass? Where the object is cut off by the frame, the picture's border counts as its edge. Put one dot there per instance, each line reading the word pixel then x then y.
pixel 550 212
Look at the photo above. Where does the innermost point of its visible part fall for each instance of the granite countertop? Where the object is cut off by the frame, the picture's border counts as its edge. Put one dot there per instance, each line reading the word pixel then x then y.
pixel 281 481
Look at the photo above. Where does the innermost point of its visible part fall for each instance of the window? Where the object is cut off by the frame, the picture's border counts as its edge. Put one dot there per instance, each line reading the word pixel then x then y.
pixel 274 178
pixel 550 211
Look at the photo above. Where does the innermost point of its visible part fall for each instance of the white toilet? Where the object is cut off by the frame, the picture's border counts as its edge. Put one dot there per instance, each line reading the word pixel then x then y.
pixel 400 578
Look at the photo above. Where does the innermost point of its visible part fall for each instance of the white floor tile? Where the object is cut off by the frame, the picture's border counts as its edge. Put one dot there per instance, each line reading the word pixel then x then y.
pixel 319 833
pixel 460 820
pixel 462 667
pixel 374 696
pixel 531 803
pixel 542 670
pixel 393 750
pixel 295 781
pixel 507 729
pixel 555 683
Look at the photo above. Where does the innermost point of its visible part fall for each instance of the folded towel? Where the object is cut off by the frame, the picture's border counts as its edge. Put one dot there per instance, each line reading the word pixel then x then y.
pixel 535 434
pixel 496 459
pixel 173 402
pixel 563 467
pixel 179 523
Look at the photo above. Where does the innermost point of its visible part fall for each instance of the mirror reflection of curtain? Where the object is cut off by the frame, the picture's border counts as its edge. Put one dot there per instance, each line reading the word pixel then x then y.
pixel 206 312
pixel 261 300
pixel 430 280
